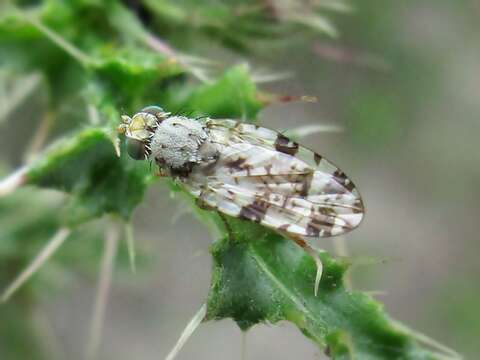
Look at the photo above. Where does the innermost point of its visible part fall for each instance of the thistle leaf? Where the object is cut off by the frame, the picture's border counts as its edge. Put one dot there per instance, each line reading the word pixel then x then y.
pixel 261 277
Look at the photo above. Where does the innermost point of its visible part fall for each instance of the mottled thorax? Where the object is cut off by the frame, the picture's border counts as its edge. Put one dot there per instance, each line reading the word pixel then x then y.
pixel 178 143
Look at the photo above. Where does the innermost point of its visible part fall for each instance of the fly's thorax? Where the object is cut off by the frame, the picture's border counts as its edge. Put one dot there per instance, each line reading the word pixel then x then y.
pixel 177 142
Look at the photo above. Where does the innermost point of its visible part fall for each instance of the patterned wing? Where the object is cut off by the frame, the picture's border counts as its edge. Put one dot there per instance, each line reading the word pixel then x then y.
pixel 263 176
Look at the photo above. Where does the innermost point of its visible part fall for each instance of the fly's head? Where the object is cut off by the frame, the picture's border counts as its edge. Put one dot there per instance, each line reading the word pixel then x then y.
pixel 139 130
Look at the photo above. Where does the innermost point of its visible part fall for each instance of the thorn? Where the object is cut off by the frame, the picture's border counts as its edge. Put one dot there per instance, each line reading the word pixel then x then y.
pixel 243 354
pixel 341 249
pixel 306 130
pixel 103 288
pixel 59 41
pixel 260 78
pixel 376 292
pixel 13 181
pixel 93 115
pixel 131 246
pixel 269 98
pixel 318 276
pixel 446 352
pixel 187 332
pixel 21 90
pixel 116 146
pixel 309 98
pixel 38 140
pixel 50 248
pixel 314 254
pixel 348 56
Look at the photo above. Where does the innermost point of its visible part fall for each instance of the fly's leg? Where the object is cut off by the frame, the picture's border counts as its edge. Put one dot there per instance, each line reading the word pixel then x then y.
pixel 314 254
pixel 200 202
pixel 161 172
pixel 203 205
pixel 227 226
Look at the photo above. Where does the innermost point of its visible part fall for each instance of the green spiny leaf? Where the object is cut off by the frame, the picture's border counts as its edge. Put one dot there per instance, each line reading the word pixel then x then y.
pixel 233 95
pixel 261 277
pixel 87 167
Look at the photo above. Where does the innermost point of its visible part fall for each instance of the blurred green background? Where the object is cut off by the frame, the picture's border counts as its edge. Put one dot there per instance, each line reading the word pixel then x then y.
pixel 402 79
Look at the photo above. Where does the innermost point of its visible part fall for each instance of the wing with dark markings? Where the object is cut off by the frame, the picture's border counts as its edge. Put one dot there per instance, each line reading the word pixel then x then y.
pixel 263 176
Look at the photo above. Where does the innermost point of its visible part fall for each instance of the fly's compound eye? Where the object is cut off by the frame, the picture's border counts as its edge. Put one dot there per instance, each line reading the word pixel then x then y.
pixel 154 110
pixel 136 149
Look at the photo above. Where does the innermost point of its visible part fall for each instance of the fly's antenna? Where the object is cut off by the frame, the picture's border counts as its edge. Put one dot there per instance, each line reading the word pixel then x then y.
pixel 125 121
